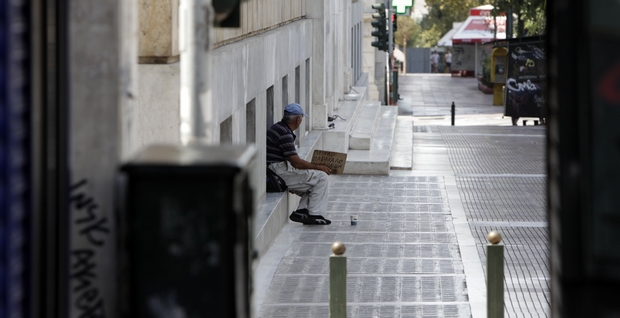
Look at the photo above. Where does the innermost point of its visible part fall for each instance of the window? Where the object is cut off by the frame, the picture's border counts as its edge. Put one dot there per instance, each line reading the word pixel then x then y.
pixel 250 122
pixel 297 85
pixel 226 131
pixel 307 87
pixel 284 91
pixel 270 121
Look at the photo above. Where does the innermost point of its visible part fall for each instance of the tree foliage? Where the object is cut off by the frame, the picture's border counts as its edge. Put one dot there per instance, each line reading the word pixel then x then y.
pixel 408 33
pixel 531 18
pixel 441 15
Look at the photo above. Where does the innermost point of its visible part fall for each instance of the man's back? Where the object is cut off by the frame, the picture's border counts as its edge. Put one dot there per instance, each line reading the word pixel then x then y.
pixel 280 142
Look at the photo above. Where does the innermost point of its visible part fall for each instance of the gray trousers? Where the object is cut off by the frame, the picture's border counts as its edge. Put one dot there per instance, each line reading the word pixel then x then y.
pixel 311 185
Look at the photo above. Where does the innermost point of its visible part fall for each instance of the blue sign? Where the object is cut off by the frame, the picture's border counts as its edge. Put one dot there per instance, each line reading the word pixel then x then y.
pixel 14 158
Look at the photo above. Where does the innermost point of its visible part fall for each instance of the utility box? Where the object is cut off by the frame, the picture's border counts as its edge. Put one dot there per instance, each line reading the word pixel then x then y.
pixel 499 69
pixel 186 243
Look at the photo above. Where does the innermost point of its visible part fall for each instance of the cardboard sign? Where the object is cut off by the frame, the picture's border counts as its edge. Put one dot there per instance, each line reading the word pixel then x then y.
pixel 334 160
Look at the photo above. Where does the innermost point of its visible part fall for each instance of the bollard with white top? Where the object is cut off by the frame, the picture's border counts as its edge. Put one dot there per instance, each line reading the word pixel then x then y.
pixel 338 282
pixel 495 276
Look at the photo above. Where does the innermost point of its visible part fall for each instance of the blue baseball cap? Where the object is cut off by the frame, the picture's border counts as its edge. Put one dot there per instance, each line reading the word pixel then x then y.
pixel 294 109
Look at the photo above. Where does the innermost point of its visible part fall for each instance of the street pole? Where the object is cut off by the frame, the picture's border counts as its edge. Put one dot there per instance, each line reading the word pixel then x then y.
pixel 391 30
pixel 405 53
pixel 390 10
pixel 195 28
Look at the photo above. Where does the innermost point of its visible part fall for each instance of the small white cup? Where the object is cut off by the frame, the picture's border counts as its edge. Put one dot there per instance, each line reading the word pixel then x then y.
pixel 353 219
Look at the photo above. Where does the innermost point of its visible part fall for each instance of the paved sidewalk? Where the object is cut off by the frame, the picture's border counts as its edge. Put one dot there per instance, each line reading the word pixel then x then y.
pixel 418 248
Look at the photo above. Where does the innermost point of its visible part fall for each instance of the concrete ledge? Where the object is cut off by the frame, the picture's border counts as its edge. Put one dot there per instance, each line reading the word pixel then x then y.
pixel 271 216
pixel 402 147
pixel 377 159
pixel 365 126
pixel 272 213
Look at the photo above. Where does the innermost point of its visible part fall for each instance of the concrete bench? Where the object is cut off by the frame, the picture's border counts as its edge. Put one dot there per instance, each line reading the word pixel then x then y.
pixel 272 213
pixel 365 126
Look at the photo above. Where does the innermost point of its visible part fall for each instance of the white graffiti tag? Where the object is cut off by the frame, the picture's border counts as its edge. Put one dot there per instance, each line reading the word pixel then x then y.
pixel 512 85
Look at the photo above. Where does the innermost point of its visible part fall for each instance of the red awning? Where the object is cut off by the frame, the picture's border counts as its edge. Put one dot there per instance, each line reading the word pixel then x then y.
pixel 479 29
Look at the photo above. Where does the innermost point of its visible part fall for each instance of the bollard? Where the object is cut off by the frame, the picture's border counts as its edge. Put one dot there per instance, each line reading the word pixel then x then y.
pixel 495 276
pixel 338 282
pixel 453 110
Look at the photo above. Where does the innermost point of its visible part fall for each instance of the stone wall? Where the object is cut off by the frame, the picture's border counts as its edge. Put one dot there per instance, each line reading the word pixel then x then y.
pixel 373 59
pixel 158 31
pixel 262 15
pixel 247 72
pixel 102 55
pixel 157 110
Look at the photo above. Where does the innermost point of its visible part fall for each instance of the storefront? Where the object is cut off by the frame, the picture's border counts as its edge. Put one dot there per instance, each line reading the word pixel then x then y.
pixel 470 42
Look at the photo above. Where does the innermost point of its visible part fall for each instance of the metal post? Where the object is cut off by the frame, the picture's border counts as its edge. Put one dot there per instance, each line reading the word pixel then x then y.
pixel 388 66
pixel 195 42
pixel 495 276
pixel 338 282
pixel 453 111
pixel 386 85
pixel 390 10
pixel 395 87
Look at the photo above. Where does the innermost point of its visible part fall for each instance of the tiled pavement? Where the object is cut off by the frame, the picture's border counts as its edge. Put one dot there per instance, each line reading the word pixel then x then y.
pixel 403 256
pixel 418 249
pixel 501 177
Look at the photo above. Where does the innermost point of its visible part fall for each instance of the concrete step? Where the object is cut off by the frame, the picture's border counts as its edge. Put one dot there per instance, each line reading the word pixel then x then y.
pixel 376 160
pixel 270 217
pixel 365 126
pixel 402 148
pixel 273 211
pixel 337 139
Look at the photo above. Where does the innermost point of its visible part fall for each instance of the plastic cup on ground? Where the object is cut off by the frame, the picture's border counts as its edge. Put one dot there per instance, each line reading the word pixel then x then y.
pixel 353 219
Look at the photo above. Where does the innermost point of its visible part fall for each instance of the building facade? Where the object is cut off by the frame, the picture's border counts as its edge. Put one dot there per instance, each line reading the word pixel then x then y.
pixel 106 79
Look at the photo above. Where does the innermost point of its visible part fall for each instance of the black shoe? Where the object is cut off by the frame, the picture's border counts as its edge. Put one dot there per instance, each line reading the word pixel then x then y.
pixel 306 212
pixel 302 216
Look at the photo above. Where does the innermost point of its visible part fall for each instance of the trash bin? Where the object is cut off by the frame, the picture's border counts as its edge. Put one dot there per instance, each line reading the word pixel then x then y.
pixel 186 244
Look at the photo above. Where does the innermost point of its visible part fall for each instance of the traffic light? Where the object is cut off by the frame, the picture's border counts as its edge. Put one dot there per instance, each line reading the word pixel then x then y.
pixel 379 22
pixel 394 22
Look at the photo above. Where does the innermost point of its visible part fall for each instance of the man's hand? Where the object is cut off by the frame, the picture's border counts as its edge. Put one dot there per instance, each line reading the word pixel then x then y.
pixel 299 163
pixel 324 169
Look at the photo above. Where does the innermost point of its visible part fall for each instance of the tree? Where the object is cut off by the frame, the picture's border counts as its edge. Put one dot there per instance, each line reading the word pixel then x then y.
pixel 441 15
pixel 408 33
pixel 530 15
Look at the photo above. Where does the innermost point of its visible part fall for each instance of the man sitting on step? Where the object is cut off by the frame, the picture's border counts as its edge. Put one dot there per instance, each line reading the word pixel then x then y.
pixel 302 177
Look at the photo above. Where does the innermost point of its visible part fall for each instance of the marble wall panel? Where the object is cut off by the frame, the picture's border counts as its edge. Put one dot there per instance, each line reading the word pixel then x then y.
pixel 157 116
pixel 158 31
pixel 245 69
pixel 102 55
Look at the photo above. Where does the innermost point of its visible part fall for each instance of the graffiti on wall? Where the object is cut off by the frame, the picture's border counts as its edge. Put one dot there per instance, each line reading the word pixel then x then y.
pixel 85 268
pixel 463 57
pixel 525 95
